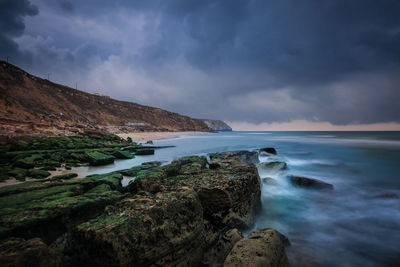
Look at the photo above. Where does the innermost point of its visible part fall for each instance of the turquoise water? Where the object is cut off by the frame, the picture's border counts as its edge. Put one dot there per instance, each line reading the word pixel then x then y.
pixel 345 227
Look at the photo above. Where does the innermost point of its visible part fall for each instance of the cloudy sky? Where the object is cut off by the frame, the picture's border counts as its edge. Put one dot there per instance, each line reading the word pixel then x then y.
pixel 258 64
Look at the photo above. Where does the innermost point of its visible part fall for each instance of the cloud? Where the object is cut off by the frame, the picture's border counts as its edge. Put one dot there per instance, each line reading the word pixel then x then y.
pixel 255 61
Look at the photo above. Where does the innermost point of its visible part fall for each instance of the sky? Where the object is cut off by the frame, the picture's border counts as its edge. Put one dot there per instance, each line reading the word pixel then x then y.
pixel 256 64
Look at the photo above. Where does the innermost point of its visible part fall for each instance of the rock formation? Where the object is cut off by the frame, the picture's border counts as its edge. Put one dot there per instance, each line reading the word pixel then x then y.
pixel 180 214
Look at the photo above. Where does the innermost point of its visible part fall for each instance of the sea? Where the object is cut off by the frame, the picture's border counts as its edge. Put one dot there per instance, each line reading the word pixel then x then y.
pixel 356 224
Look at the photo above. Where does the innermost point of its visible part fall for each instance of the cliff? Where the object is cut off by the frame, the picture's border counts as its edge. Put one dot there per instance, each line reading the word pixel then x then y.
pixel 217 125
pixel 30 105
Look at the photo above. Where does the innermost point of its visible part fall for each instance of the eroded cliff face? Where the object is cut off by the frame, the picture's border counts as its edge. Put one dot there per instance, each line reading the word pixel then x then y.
pixel 218 125
pixel 30 105
pixel 181 214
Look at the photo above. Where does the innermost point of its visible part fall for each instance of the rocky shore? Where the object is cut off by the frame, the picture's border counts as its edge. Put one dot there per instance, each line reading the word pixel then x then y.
pixel 186 213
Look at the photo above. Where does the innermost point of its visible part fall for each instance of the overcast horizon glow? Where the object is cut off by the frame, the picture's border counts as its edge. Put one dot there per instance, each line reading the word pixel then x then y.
pixel 263 65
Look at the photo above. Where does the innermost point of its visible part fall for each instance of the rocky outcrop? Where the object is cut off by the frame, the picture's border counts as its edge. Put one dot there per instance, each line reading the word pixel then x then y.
pixel 217 125
pixel 309 182
pixel 170 215
pixel 221 249
pixel 260 248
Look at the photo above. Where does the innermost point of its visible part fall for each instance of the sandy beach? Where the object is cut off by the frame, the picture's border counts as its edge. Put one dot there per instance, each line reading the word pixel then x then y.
pixel 147 136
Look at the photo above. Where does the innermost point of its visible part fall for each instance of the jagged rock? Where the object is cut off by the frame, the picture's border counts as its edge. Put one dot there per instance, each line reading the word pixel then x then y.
pixel 221 249
pixel 17 252
pixel 165 229
pixel 260 248
pixel 309 182
pixel 269 150
pixel 273 166
pixel 269 180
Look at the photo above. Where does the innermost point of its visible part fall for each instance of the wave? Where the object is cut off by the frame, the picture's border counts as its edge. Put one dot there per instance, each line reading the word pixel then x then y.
pixel 302 162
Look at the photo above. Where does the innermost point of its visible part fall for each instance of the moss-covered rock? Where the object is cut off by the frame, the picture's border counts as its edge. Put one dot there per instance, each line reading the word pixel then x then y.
pixel 66 176
pixel 18 173
pixel 162 230
pixel 96 158
pixel 38 174
pixel 121 154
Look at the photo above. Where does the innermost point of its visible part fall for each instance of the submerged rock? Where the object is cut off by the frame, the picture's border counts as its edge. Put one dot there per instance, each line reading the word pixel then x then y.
pixel 273 166
pixel 309 182
pixel 260 248
pixel 269 180
pixel 387 195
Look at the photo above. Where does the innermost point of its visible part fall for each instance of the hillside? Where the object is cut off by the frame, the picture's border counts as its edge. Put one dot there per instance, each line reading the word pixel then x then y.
pixel 31 105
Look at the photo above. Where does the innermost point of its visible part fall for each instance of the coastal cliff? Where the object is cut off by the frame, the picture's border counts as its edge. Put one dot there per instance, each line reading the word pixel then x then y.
pixel 218 125
pixel 31 105
pixel 181 214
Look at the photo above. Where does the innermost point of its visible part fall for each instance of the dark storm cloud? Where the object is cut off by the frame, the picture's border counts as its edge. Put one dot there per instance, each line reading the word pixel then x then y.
pixel 257 61
pixel 12 13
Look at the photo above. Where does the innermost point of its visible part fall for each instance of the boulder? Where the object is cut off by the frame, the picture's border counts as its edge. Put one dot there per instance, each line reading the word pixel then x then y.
pixel 309 182
pixel 273 166
pixel 221 249
pixel 269 150
pixel 260 248
pixel 38 174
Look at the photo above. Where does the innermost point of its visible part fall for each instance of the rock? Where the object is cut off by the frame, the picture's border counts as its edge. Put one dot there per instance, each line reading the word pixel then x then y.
pixel 17 252
pixel 273 166
pixel 38 174
pixel 120 154
pixel 65 176
pixel 269 150
pixel 269 180
pixel 260 248
pixel 149 142
pixel 387 195
pixel 42 209
pixel 309 182
pixel 235 157
pixel 96 158
pixel 144 151
pixel 165 229
pixel 222 248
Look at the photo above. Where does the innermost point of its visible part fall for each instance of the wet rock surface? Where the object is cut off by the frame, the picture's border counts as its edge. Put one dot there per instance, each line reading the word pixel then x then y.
pixel 260 248
pixel 169 215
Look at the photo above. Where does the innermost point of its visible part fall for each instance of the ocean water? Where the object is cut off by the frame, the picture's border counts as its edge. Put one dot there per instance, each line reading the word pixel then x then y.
pixel 349 226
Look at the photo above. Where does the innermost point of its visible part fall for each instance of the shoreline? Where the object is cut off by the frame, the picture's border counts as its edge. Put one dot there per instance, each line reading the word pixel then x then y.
pixel 150 136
